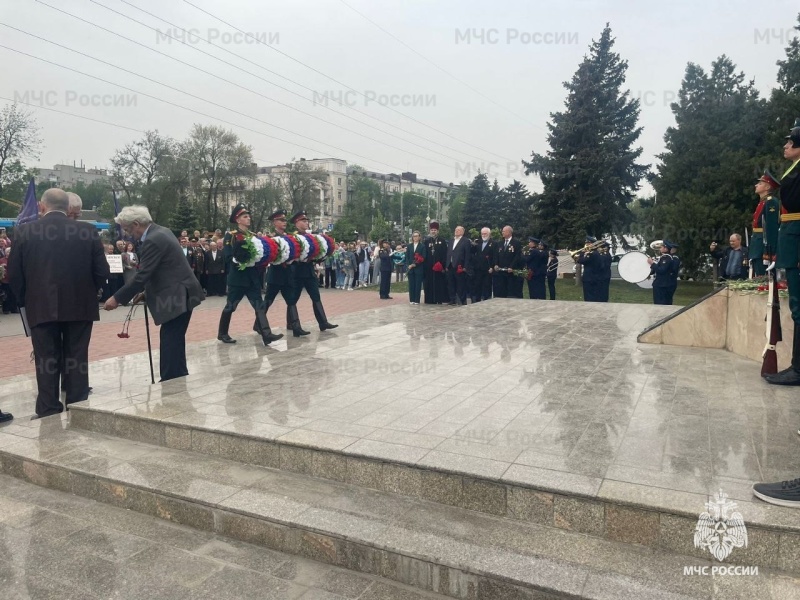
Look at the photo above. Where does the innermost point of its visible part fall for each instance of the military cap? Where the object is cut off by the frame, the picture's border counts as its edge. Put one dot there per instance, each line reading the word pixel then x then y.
pixel 670 245
pixel 769 179
pixel 590 239
pixel 238 210
pixel 533 239
pixel 301 214
pixel 277 214
pixel 794 134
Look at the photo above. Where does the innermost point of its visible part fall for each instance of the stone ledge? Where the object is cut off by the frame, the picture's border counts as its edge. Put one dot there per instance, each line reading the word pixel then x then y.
pixel 542 496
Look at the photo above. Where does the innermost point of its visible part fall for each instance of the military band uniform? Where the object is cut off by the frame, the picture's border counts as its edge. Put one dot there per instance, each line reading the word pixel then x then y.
pixel 482 262
pixel 552 273
pixel 592 273
pixel 536 261
pixel 508 257
pixel 242 282
pixel 674 274
pixel 605 273
pixel 435 283
pixel 662 272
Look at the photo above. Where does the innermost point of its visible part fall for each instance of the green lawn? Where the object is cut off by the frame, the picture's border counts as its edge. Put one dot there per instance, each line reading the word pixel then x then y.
pixel 620 291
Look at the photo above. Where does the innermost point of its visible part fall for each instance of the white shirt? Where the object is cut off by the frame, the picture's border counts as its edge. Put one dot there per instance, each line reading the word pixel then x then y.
pixel 455 241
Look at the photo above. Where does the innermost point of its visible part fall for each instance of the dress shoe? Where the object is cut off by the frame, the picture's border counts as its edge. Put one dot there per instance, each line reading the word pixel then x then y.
pixel 790 376
pixel 5 417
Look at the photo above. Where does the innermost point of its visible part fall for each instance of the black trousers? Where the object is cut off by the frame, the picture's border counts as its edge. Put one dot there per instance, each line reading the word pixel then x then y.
pixel 457 286
pixel 330 278
pixel 172 358
pixel 386 283
pixel 536 289
pixel 55 344
pixel 551 285
pixel 216 284
pixel 592 291
pixel 481 285
pixel 502 285
pixel 236 293
pixel 415 284
pixel 310 285
pixel 661 295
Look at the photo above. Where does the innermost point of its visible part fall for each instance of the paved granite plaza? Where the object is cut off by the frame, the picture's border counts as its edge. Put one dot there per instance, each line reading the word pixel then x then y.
pixel 470 407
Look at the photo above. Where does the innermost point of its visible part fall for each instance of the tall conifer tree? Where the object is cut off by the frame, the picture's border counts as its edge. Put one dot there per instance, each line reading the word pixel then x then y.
pixel 591 173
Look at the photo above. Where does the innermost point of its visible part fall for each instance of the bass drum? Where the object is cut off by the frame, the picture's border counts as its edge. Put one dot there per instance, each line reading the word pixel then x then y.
pixel 634 267
pixel 647 284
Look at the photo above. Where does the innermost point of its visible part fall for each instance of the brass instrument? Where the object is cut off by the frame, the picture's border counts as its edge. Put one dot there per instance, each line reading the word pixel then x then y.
pixel 587 248
pixel 656 245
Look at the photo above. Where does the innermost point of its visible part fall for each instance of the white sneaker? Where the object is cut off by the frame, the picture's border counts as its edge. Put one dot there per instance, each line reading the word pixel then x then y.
pixel 350 289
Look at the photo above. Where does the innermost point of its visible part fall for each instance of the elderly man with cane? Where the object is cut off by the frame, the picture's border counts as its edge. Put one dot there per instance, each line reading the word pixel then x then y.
pixel 171 289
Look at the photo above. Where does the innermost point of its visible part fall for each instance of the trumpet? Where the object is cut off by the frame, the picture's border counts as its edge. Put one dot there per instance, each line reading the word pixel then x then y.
pixel 587 248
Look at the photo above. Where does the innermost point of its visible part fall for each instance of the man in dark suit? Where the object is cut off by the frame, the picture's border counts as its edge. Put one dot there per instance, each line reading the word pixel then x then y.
pixel 187 252
pixel 215 270
pixel 457 263
pixel 508 258
pixel 482 262
pixel 735 263
pixel 536 262
pixel 56 268
pixel 171 289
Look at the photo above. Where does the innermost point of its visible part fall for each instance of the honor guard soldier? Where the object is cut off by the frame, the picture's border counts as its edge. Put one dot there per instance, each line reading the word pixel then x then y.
pixel 675 272
pixel 508 258
pixel 242 282
pixel 306 278
pixel 605 263
pixel 536 262
pixel 589 258
pixel 280 280
pixel 766 219
pixel 435 282
pixel 552 272
pixel 789 249
pixel 661 270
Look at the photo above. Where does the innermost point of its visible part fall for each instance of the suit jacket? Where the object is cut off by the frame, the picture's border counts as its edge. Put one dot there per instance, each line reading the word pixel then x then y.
pixel 189 256
pixel 511 257
pixel 215 267
pixel 56 267
pixel 483 258
pixel 411 250
pixel 459 255
pixel 744 271
pixel 165 276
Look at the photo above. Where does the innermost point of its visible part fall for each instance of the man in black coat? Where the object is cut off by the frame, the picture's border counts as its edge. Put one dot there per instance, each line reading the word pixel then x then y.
pixel 592 275
pixel 56 268
pixel 215 271
pixel 508 258
pixel 457 264
pixel 735 263
pixel 482 266
pixel 171 288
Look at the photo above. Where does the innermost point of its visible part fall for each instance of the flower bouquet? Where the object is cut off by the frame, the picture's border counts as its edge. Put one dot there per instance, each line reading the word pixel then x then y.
pixel 757 285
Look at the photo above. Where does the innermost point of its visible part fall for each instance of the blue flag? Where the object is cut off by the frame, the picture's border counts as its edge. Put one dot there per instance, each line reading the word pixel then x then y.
pixel 30 207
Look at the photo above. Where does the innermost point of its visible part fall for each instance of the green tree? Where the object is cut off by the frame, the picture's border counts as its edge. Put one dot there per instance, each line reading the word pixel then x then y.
pixel 704 184
pixel 184 216
pixel 591 173
pixel 381 229
pixel 514 208
pixel 362 199
pixel 264 200
pixel 480 209
pixel 344 230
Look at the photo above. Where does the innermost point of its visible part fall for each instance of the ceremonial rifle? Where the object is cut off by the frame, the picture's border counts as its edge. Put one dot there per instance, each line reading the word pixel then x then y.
pixel 769 365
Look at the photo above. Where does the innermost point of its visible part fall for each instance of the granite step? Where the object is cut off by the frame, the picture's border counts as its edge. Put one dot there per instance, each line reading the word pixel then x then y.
pixel 432 547
pixel 93 551
pixel 657 516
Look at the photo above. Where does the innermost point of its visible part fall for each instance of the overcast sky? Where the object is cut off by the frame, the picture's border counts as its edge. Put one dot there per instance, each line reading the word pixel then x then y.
pixel 481 101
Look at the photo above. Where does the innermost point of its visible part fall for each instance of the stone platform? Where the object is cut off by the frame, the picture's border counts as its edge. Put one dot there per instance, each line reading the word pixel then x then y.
pixel 384 440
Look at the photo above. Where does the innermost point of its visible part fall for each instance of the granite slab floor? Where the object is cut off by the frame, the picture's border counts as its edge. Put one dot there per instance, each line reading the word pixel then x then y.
pixel 517 390
pixel 55 545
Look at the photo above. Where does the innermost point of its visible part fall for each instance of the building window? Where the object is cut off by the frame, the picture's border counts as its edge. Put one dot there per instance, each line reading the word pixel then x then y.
pixel 338 209
pixel 339 195
pixel 340 181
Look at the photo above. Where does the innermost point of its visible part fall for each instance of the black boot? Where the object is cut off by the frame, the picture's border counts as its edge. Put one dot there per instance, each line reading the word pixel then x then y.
pixel 319 313
pixel 264 329
pixel 224 324
pixel 790 376
pixel 293 321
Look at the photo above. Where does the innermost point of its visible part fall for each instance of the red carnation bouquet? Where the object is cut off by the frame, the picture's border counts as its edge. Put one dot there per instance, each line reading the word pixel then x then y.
pixel 460 270
pixel 418 258
pixel 437 267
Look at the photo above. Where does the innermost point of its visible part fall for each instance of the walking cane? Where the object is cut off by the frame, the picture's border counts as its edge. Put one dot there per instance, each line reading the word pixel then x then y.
pixel 149 347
